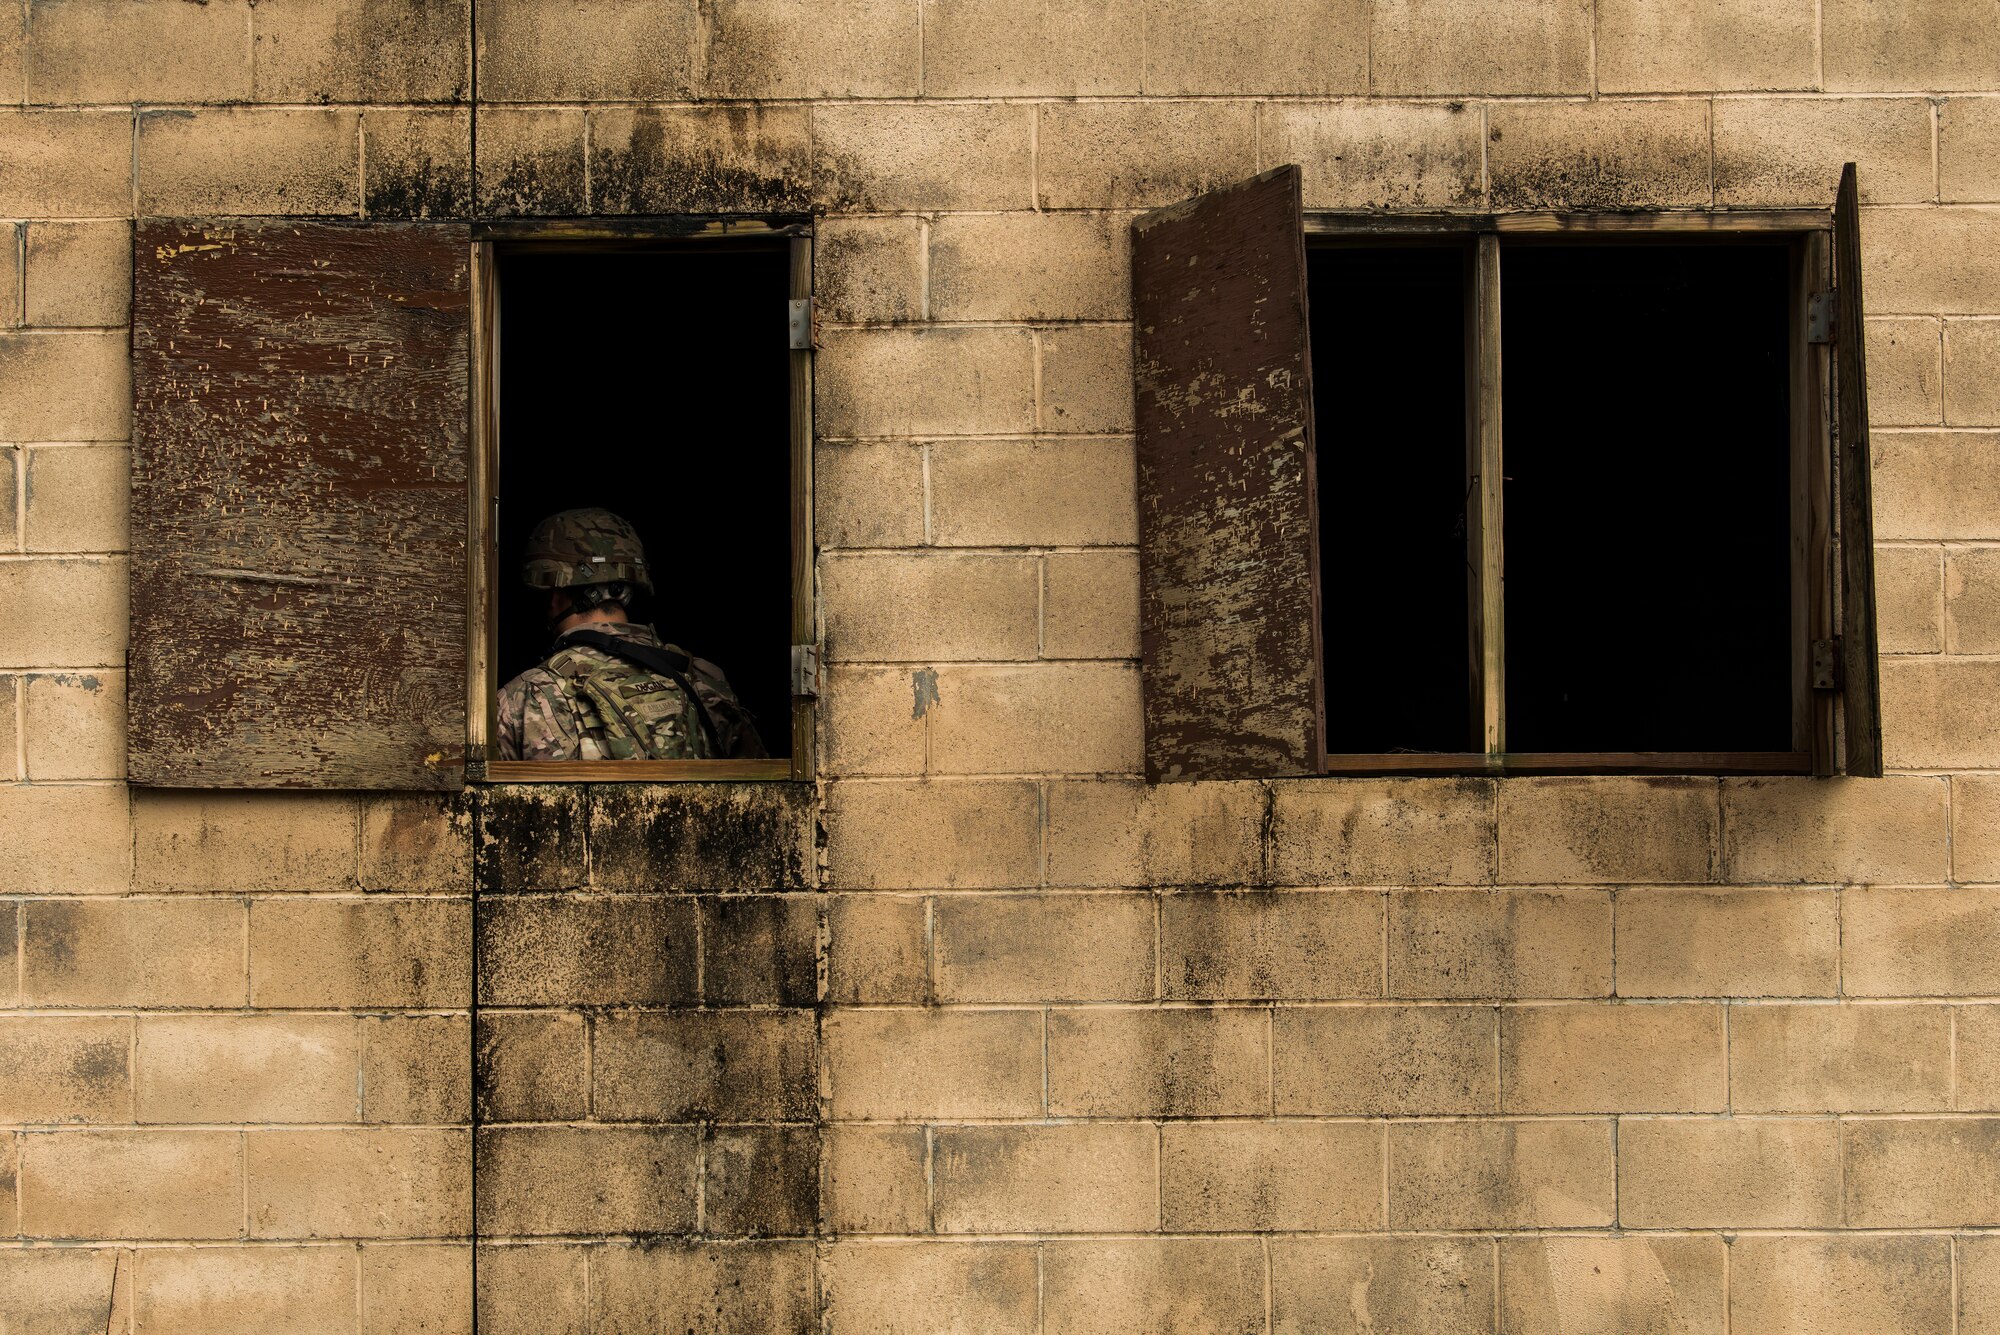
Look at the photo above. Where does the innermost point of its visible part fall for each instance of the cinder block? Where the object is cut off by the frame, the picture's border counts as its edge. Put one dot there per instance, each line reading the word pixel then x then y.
pixel 586 1179
pixel 67 1288
pixel 1905 372
pixel 421 1290
pixel 1837 1059
pixel 359 1183
pixel 760 950
pixel 1703 1172
pixel 1613 1058
pixel 1977 1259
pixel 1382 832
pixel 895 835
pixel 1351 1285
pixel 847 48
pixel 1598 155
pixel 1972 372
pixel 79 274
pixel 1500 1174
pixel 66 385
pixel 1729 46
pixel 878 949
pixel 1271 945
pixel 728 1066
pixel 1607 830
pixel 416 1068
pixel 1051 947
pixel 1919 942
pixel 1376 1060
pixel 1074 1178
pixel 104 51
pixel 1480 46
pixel 1377 155
pixel 868 494
pixel 11 689
pixel 1256 46
pixel 361 51
pixel 67 840
pixel 1976 1068
pixel 1787 152
pixel 75 725
pixel 910 158
pixel 1728 943
pixel 531 837
pixel 1910 607
pixel 1499 943
pixel 1172 1286
pixel 734 1287
pixel 877 1180
pixel 1943 261
pixel 245 1290
pixel 700 160
pixel 1655 1283
pixel 243 841
pixel 1203 1062
pixel 1936 486
pixel 1030 266
pixel 1946 44
pixel 548 51
pixel 873 719
pixel 929 607
pixel 995 48
pixel 539 1289
pixel 132 1184
pixel 1975 828
pixel 1889 1284
pixel 1034 493
pixel 1939 713
pixel 1922 1173
pixel 932 1063
pixel 414 843
pixel 65 1070
pixel 1122 155
pixel 1062 718
pixel 885 1286
pixel 530 159
pixel 916 382
pixel 1237 1177
pixel 1118 832
pixel 760 1181
pixel 347 952
pixel 236 162
pixel 1840 830
pixel 561 951
pixel 247 1068
pixel 1090 605
pixel 76 498
pixel 416 164
pixel 533 1067
pixel 1971 599
pixel 1086 379
pixel 133 952
pixel 67 164
pixel 1969 149
pixel 866 271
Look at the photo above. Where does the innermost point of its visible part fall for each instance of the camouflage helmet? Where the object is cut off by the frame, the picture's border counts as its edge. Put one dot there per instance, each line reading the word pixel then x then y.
pixel 590 546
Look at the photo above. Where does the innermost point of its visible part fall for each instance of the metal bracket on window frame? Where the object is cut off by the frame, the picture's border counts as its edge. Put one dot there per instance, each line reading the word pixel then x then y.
pixel 805 671
pixel 1826 664
pixel 801 328
pixel 1821 326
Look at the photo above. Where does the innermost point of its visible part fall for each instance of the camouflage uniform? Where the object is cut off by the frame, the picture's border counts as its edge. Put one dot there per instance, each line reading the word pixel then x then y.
pixel 583 704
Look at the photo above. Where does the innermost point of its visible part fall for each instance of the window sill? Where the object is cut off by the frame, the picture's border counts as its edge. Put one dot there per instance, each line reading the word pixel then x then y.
pixel 1576 762
pixel 633 771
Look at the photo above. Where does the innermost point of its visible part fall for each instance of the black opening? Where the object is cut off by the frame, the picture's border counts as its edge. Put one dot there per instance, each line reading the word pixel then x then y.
pixel 1388 366
pixel 656 382
pixel 1647 497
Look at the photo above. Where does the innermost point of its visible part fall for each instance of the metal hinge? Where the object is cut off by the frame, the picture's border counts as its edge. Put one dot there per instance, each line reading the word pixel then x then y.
pixel 1826 664
pixel 1820 324
pixel 802 324
pixel 805 670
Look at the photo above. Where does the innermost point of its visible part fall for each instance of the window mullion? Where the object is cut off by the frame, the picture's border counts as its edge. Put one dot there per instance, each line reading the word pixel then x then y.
pixel 1486 526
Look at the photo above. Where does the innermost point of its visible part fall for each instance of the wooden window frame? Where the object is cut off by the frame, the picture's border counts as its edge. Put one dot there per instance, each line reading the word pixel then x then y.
pixel 1808 234
pixel 489 242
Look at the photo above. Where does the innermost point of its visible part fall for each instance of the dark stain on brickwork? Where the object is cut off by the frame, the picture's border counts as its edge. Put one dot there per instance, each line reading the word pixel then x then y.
pixel 53 931
pixel 760 950
pixel 529 837
pixel 761 1181
pixel 564 950
pixel 548 183
pixel 100 1064
pixel 708 160
pixel 701 836
pixel 408 179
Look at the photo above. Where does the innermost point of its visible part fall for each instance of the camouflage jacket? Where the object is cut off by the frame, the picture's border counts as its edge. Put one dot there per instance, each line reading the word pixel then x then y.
pixel 583 704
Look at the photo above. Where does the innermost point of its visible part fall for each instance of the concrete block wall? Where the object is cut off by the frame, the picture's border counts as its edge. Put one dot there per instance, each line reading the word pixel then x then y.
pixel 983 1034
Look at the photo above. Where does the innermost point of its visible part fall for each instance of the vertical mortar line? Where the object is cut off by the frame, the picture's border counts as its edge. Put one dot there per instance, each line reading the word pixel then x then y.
pixel 1485 167
pixel 701 1178
pixel 1499 1299
pixel 924 313
pixel 1499 1059
pixel 1035 156
pixel 1264 1239
pixel 1614 940
pixel 1041 423
pixel 21 268
pixel 360 161
pixel 924 455
pixel 1270 1060
pixel 1819 45
pixel 360 1294
pixel 1952 1242
pixel 930 1178
pixel 1387 1222
pixel 132 1060
pixel 1937 161
pixel 930 950
pixel 135 163
pixel 1711 152
pixel 1839 941
pixel 1045 1063
pixel 1384 907
pixel 1594 92
pixel 1952 1061
pixel 1041 1286
pixel 1617 1204
pixel 1840 1155
pixel 920 46
pixel 1728 1061
pixel 1042 826
pixel 1728 1256
pixel 1159 959
pixel 1042 605
pixel 21 725
pixel 1160 1176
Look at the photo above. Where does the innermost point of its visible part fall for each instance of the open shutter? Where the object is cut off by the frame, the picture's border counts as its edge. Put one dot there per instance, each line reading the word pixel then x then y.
pixel 299 504
pixel 1228 511
pixel 1861 699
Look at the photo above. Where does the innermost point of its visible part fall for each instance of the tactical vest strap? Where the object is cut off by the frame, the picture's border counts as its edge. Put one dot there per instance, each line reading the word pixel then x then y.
pixel 666 662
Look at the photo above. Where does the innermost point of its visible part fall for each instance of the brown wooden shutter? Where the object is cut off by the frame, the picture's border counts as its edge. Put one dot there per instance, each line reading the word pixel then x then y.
pixel 1228 510
pixel 299 504
pixel 1860 668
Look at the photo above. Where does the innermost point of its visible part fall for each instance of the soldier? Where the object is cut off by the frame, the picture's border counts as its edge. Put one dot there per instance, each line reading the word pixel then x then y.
pixel 609 689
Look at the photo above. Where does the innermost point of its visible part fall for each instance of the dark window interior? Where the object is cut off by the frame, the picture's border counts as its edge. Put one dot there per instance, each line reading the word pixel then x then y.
pixel 1647 497
pixel 1388 364
pixel 656 382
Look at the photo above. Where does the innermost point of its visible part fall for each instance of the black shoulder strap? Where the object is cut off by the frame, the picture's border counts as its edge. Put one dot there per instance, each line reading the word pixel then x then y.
pixel 666 662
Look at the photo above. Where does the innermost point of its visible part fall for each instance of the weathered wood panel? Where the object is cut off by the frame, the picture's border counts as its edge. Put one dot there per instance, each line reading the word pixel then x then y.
pixel 299 504
pixel 1861 692
pixel 1228 506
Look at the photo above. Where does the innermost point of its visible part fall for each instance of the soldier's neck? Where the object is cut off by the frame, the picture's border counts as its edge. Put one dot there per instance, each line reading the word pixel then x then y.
pixel 596 616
